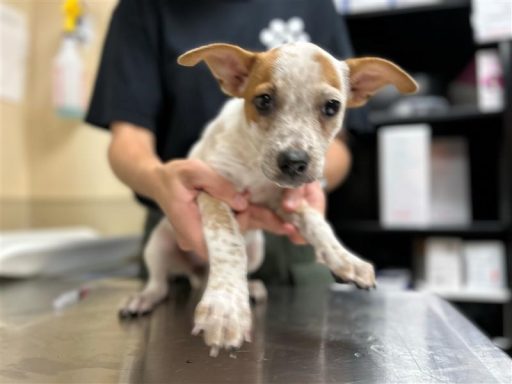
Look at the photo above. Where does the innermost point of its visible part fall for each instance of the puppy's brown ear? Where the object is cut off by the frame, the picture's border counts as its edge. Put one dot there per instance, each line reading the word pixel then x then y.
pixel 229 64
pixel 369 74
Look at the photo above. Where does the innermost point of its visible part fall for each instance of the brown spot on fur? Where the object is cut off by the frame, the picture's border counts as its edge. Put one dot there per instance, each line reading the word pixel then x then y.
pixel 260 81
pixel 331 77
pixel 329 72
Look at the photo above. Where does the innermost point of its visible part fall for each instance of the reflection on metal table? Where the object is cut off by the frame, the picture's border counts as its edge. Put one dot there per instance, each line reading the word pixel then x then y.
pixel 300 336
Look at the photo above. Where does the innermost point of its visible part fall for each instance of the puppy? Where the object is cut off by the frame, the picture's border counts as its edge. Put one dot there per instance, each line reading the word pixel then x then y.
pixel 288 105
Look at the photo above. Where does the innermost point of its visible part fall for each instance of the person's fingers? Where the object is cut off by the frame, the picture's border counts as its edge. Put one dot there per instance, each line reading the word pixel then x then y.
pixel 243 219
pixel 315 196
pixel 199 175
pixel 265 219
pixel 294 235
pixel 189 230
pixel 297 240
pixel 292 198
pixel 192 243
pixel 257 217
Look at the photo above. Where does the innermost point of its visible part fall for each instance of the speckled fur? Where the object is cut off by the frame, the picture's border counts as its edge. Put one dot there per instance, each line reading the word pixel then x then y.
pixel 244 150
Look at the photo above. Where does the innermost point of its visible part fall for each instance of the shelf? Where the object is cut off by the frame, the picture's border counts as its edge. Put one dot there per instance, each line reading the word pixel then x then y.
pixel 500 296
pixel 454 114
pixel 441 6
pixel 375 227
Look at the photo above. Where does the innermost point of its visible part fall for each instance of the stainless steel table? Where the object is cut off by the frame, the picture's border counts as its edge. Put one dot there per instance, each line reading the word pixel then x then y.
pixel 300 336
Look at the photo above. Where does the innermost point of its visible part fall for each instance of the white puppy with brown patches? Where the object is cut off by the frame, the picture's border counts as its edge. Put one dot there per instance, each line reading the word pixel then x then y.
pixel 288 104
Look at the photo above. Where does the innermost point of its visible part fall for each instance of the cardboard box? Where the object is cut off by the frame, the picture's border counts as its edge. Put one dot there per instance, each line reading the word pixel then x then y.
pixel 485 265
pixel 404 175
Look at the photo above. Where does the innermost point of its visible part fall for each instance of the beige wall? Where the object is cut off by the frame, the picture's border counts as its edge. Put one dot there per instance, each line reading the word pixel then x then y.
pixel 14 164
pixel 52 162
pixel 68 159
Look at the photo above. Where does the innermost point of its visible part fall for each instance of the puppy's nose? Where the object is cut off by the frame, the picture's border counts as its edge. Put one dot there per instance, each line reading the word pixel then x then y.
pixel 293 162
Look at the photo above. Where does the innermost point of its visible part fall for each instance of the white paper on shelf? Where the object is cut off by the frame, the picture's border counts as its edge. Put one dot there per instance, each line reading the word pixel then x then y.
pixel 443 263
pixel 450 191
pixel 404 175
pixel 415 3
pixel 491 20
pixel 359 6
pixel 13 53
pixel 485 265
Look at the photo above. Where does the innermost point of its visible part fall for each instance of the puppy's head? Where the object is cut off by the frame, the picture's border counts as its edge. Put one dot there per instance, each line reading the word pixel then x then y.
pixel 295 99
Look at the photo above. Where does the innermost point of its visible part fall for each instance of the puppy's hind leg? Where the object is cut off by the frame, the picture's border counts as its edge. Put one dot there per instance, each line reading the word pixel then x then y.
pixel 157 256
pixel 255 246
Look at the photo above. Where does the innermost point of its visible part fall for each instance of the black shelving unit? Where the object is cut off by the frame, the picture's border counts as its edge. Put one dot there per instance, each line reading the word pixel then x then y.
pixel 455 114
pixel 475 229
pixel 442 6
pixel 438 40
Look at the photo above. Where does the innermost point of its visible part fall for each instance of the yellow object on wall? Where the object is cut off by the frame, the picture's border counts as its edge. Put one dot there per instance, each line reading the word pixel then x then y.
pixel 72 10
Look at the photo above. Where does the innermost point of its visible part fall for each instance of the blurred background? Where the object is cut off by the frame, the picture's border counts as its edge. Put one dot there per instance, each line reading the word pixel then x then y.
pixel 54 171
pixel 428 200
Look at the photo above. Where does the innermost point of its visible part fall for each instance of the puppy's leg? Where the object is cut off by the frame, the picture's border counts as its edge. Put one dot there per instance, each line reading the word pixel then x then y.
pixel 223 313
pixel 255 245
pixel 257 291
pixel 315 229
pixel 157 257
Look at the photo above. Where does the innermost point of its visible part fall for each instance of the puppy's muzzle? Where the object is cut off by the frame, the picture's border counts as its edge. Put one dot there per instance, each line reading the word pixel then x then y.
pixel 293 162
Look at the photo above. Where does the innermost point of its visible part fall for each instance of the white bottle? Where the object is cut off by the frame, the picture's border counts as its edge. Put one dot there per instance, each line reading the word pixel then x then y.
pixel 68 90
pixel 489 80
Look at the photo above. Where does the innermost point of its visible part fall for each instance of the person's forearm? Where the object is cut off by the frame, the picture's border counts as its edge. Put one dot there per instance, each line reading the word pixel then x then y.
pixel 133 159
pixel 337 164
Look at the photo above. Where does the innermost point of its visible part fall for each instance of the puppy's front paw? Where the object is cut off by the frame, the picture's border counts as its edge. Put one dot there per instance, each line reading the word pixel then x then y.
pixel 224 318
pixel 364 274
pixel 348 267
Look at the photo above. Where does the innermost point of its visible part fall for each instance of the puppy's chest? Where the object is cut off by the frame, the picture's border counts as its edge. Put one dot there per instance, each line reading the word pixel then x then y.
pixel 248 178
pixel 265 192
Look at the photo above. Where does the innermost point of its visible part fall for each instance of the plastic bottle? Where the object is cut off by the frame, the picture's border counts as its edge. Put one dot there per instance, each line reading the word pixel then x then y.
pixel 69 80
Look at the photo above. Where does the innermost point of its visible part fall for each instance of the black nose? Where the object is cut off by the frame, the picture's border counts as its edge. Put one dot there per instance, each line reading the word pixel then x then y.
pixel 293 162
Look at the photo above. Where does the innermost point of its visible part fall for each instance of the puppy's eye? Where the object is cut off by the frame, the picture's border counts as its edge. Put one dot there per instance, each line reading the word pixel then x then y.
pixel 263 103
pixel 331 108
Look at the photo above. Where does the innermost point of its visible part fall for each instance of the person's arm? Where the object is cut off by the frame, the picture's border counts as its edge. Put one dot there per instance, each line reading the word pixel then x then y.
pixel 338 161
pixel 132 158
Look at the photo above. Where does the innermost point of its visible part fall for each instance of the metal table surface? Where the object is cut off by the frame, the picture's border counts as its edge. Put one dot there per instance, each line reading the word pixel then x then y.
pixel 300 336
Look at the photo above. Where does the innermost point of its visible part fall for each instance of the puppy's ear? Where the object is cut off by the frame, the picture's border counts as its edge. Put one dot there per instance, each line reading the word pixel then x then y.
pixel 229 64
pixel 369 74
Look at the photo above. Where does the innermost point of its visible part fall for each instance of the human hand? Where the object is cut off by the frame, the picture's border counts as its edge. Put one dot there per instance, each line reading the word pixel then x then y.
pixel 312 194
pixel 258 217
pixel 180 181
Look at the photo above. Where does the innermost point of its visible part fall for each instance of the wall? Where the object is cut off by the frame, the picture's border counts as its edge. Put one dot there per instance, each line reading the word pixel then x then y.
pixel 14 164
pixel 61 175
